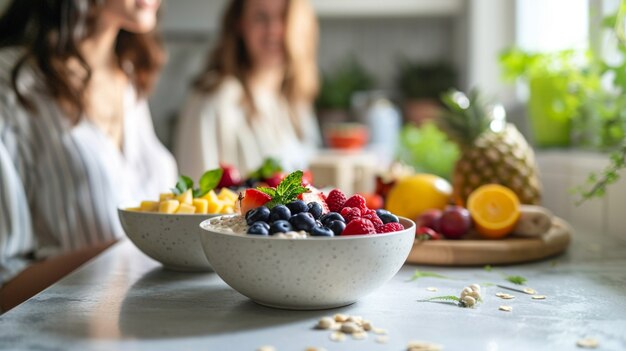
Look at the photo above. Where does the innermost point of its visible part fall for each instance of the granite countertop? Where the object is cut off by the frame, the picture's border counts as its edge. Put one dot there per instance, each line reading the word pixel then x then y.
pixel 123 300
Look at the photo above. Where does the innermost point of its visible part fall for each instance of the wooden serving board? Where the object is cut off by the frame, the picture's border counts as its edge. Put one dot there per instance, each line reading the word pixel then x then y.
pixel 475 251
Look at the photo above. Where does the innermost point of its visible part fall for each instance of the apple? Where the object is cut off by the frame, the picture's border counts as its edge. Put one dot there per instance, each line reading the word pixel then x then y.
pixel 455 222
pixel 430 219
pixel 230 177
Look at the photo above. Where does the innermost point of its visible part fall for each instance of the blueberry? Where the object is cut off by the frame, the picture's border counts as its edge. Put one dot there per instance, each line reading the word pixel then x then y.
pixel 262 224
pixel 318 224
pixel 336 226
pixel 297 206
pixel 315 209
pixel 258 229
pixel 321 231
pixel 261 214
pixel 331 216
pixel 280 212
pixel 386 216
pixel 302 221
pixel 280 226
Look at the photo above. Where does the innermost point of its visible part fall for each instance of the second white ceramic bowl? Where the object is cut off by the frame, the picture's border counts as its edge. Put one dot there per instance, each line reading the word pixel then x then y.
pixel 171 239
pixel 305 274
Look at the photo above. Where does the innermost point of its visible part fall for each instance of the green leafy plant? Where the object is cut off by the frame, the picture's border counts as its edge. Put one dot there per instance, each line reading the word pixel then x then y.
pixel 449 298
pixel 339 85
pixel 427 149
pixel 516 279
pixel 420 80
pixel 287 191
pixel 209 180
pixel 269 167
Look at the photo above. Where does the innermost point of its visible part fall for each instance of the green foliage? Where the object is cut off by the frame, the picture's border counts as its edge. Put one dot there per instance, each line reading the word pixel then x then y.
pixel 269 167
pixel 516 279
pixel 447 298
pixel 465 117
pixel 287 191
pixel 209 180
pixel 339 85
pixel 418 80
pixel 427 149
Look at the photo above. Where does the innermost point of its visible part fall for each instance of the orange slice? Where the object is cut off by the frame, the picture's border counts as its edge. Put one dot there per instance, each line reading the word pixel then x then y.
pixel 495 210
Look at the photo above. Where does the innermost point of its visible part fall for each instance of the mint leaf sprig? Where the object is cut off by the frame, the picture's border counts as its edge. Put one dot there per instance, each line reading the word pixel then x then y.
pixel 515 279
pixel 209 180
pixel 420 274
pixel 287 191
pixel 447 298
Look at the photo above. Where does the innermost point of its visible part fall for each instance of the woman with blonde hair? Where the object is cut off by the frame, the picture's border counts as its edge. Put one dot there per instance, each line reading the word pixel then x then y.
pixel 254 99
pixel 76 136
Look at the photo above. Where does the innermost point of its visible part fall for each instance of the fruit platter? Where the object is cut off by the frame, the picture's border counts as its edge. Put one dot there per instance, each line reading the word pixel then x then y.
pixel 489 212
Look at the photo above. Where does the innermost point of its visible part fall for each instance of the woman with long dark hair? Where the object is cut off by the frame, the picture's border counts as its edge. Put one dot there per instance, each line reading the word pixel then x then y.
pixel 76 136
pixel 254 98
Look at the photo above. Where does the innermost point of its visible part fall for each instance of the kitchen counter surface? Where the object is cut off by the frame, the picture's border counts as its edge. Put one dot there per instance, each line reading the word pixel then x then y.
pixel 123 300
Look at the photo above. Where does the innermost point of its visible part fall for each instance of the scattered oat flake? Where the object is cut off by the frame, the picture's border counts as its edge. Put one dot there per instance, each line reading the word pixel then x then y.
pixel 423 346
pixel 359 335
pixel 587 343
pixel 530 291
pixel 379 331
pixel 538 297
pixel 505 296
pixel 340 317
pixel 266 348
pixel 505 308
pixel 337 336
pixel 382 339
pixel 432 288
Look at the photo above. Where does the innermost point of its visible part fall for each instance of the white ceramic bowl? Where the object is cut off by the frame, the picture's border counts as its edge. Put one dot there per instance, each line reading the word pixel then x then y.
pixel 171 239
pixel 306 274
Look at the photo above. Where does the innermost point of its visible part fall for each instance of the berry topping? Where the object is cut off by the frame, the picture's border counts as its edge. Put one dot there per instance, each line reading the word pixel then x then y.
pixel 280 212
pixel 297 206
pixel 335 200
pixel 302 221
pixel 315 196
pixel 321 231
pixel 259 214
pixel 252 199
pixel 259 228
pixel 391 227
pixel 357 201
pixel 331 216
pixel 280 226
pixel 386 216
pixel 373 217
pixel 315 209
pixel 359 226
pixel 350 213
pixel 336 226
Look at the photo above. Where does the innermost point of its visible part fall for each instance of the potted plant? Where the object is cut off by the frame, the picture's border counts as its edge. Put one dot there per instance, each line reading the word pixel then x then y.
pixel 421 84
pixel 558 84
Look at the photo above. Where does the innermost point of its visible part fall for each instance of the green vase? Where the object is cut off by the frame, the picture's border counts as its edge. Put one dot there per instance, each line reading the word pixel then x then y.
pixel 550 110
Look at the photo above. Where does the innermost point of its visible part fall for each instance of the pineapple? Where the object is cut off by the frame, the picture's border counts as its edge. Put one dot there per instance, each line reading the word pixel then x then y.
pixel 492 151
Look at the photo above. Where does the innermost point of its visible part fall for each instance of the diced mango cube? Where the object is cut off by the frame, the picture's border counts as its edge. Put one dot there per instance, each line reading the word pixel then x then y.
pixel 168 206
pixel 166 196
pixel 186 209
pixel 228 209
pixel 201 205
pixel 215 206
pixel 149 206
pixel 186 197
pixel 228 195
pixel 211 196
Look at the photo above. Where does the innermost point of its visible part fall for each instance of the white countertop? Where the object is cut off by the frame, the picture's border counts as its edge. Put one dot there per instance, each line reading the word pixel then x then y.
pixel 123 300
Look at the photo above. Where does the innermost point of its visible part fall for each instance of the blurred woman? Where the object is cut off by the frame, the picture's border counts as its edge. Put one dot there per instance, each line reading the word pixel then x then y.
pixel 254 99
pixel 76 136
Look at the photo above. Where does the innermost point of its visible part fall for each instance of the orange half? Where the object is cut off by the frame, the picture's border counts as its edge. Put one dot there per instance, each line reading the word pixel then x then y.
pixel 495 210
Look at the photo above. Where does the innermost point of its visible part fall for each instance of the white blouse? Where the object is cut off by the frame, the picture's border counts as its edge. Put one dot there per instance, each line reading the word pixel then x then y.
pixel 60 184
pixel 213 129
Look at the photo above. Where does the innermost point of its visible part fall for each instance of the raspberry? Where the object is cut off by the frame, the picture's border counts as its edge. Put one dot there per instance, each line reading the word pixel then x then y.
pixel 335 200
pixel 350 213
pixel 357 201
pixel 359 226
pixel 373 217
pixel 391 227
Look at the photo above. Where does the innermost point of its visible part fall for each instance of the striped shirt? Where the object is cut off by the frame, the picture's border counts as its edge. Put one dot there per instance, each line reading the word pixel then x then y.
pixel 60 184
